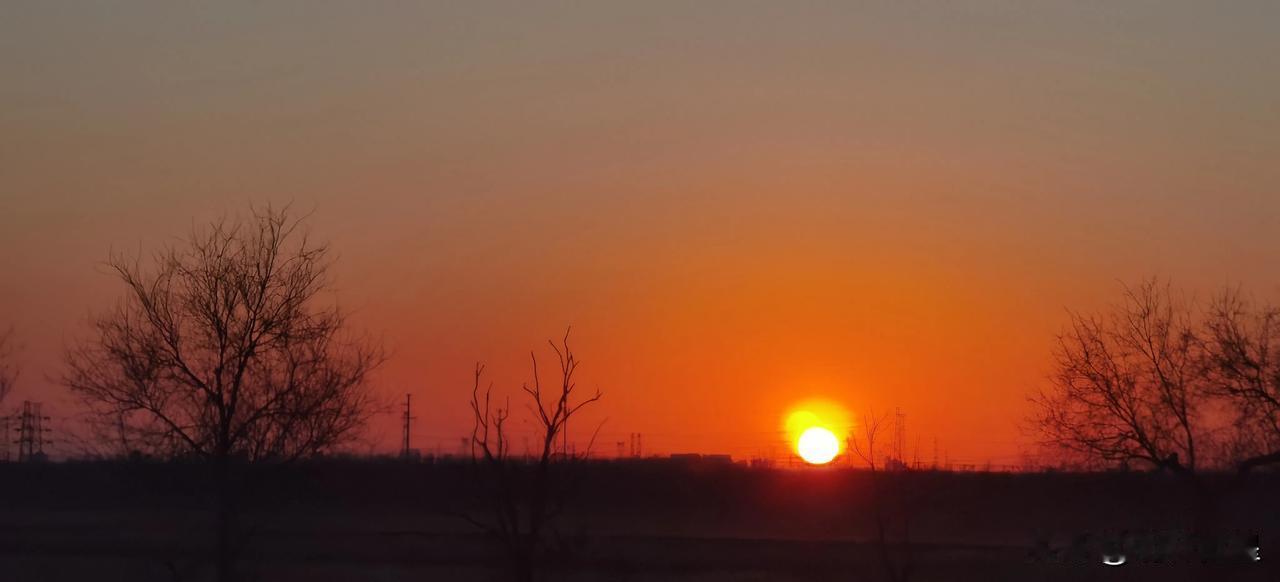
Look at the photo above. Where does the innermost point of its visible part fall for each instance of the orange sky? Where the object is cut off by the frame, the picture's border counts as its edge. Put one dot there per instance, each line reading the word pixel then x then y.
pixel 737 206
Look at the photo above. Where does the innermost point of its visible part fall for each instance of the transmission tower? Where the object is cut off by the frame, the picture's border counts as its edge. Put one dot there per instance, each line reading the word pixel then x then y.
pixel 31 430
pixel 899 434
pixel 408 418
pixel 6 422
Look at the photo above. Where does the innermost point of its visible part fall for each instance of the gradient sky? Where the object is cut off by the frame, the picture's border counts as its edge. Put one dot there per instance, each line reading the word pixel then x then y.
pixel 737 205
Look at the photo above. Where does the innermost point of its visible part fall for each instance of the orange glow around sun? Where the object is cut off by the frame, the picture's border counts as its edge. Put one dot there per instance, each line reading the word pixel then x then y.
pixel 816 430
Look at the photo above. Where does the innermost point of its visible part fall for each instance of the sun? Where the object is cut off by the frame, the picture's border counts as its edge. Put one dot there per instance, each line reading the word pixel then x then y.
pixel 818 446
pixel 815 428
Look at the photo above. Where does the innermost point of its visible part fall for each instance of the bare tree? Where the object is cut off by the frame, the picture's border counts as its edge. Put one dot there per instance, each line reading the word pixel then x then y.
pixel 890 508
pixel 1244 368
pixel 864 445
pixel 523 496
pixel 223 350
pixel 1129 386
pixel 8 368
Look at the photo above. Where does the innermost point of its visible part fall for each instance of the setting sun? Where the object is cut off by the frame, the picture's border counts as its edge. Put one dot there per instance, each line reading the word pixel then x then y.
pixel 814 428
pixel 818 446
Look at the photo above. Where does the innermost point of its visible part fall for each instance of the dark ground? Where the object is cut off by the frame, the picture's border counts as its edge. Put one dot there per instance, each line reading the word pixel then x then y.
pixel 639 520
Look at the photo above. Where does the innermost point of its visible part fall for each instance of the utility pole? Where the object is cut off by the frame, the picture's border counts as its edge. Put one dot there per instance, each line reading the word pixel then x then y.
pixel 899 435
pixel 408 418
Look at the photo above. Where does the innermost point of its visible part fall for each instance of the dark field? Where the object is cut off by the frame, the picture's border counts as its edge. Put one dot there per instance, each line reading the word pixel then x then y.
pixel 642 520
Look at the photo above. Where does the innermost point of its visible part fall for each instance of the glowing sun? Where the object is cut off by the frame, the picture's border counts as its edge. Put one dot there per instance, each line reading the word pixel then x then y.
pixel 818 446
pixel 815 428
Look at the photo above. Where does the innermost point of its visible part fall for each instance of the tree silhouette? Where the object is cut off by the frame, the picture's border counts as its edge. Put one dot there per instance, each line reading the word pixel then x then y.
pixel 8 368
pixel 223 351
pixel 1129 385
pixel 891 510
pixel 521 497
pixel 1243 349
